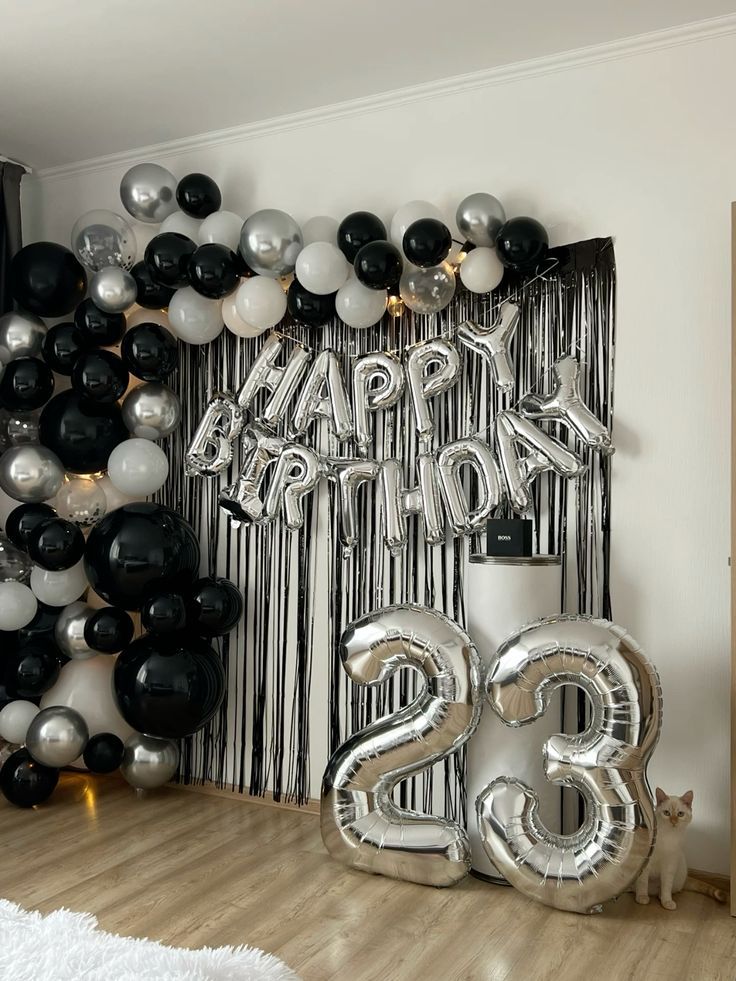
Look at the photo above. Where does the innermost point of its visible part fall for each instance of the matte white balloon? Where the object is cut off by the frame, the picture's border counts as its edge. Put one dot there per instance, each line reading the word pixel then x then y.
pixel 234 322
pixel 80 500
pixel 21 335
pixel 183 224
pixel 481 270
pixel 261 302
pixel 138 467
pixel 321 268
pixel 86 687
pixel 59 588
pixel 195 318
pixel 221 228
pixel 406 215
pixel 114 498
pixel 15 718
pixel 17 605
pixel 321 228
pixel 358 306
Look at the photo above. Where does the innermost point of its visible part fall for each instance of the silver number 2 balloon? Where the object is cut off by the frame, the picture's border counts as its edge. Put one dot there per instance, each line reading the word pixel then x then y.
pixel 361 825
pixel 606 763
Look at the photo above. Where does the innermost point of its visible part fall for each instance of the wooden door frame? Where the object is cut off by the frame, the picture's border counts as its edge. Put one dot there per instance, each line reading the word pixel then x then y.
pixel 733 560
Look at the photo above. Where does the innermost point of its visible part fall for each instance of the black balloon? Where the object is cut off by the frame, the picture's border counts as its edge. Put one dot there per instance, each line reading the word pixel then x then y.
pixel 213 270
pixel 22 521
pixel 98 328
pixel 309 308
pixel 82 433
pixel 47 279
pixel 100 375
pixel 24 782
pixel 150 352
pixel 164 612
pixel 32 668
pixel 198 195
pixel 136 547
pixel 215 606
pixel 378 265
pixel 427 242
pixel 62 345
pixel 109 630
pixel 168 686
pixel 357 230
pixel 522 243
pixel 103 753
pixel 42 627
pixel 56 544
pixel 26 383
pixel 167 256
pixel 149 293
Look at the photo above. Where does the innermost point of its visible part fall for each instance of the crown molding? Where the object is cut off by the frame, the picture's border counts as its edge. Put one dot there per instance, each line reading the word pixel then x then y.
pixel 639 44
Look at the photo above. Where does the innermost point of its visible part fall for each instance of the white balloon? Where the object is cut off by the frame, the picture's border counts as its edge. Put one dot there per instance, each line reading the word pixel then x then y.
pixel 195 318
pixel 358 306
pixel 138 466
pixel 144 316
pixel 481 270
pixel 15 719
pixel 321 268
pixel 321 228
pixel 222 228
pixel 17 605
pixel 114 497
pixel 406 215
pixel 234 322
pixel 183 224
pixel 86 687
pixel 59 588
pixel 260 301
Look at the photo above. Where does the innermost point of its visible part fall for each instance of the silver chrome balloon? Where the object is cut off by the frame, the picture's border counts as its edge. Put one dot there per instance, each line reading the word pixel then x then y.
pixel 69 631
pixel 565 404
pixel 492 343
pixel 151 410
pixel 21 335
pixel 427 290
pixel 30 474
pixel 270 242
pixel 324 396
pixel 478 455
pixel 149 762
pixel 211 449
pixel 297 473
pixel 479 218
pixel 242 499
pixel 399 502
pixel 57 736
pixel 282 382
pixel 425 384
pixel 350 475
pixel 101 238
pixel 606 763
pixel 15 566
pixel 361 825
pixel 112 289
pixel 368 396
pixel 148 192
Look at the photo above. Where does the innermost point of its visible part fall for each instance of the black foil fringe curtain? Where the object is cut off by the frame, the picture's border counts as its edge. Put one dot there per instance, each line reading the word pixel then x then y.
pixel 288 701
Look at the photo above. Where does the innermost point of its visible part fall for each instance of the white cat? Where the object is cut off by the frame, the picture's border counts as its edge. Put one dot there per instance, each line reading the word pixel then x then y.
pixel 666 870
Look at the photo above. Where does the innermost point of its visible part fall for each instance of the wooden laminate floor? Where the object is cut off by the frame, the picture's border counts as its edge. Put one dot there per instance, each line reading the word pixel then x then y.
pixel 192 870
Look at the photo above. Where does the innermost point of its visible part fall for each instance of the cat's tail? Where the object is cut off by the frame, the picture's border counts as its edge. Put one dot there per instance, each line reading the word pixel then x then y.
pixel 698 885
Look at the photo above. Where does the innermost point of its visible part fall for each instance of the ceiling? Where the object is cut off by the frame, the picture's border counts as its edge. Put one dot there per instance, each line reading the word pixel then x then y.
pixel 85 79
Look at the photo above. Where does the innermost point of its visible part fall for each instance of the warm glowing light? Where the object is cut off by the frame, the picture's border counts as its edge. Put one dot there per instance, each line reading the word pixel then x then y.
pixel 395 306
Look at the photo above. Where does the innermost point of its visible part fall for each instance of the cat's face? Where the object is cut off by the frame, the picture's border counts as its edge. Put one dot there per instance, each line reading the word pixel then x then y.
pixel 675 812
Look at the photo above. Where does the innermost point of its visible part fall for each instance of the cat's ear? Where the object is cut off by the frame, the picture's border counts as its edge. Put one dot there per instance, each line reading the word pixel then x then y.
pixel 661 795
pixel 687 798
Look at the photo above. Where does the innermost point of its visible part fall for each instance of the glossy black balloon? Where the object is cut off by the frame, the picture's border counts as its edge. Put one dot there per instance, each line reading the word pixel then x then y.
pixel 25 782
pixel 149 293
pixel 168 686
pixel 62 345
pixel 103 753
pixel 98 328
pixel 427 242
pixel 164 612
pixel 378 265
pixel 32 668
pixel 309 308
pixel 22 520
pixel 82 433
pixel 198 195
pixel 357 230
pixel 522 243
pixel 213 270
pixel 26 383
pixel 100 375
pixel 47 279
pixel 167 256
pixel 56 544
pixel 42 626
pixel 150 352
pixel 138 546
pixel 109 630
pixel 215 606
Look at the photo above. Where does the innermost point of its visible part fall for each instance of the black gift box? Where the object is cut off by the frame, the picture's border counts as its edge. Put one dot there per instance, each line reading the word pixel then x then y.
pixel 508 536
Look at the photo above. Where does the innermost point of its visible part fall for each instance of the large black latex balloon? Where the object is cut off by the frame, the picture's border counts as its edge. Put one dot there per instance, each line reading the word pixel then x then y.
pixel 103 753
pixel 26 383
pixel 22 520
pixel 378 265
pixel 164 612
pixel 100 375
pixel 427 242
pixel 309 308
pixel 213 270
pixel 138 546
pixel 42 626
pixel 198 195
pixel 522 243
pixel 149 293
pixel 62 345
pixel 56 544
pixel 24 782
pixel 357 230
pixel 150 352
pixel 168 686
pixel 167 256
pixel 215 606
pixel 108 630
pixel 99 329
pixel 82 433
pixel 47 279
pixel 32 668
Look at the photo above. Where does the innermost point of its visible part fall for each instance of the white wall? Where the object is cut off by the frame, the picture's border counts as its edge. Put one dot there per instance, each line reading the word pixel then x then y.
pixel 642 148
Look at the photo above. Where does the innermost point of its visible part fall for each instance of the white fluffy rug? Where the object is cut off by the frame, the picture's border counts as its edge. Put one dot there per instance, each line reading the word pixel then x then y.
pixel 65 946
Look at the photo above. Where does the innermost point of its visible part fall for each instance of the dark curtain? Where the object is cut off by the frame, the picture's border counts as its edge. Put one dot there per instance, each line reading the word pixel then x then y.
pixel 10 239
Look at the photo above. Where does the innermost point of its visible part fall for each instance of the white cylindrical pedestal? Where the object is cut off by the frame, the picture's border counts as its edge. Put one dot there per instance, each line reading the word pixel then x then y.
pixel 503 594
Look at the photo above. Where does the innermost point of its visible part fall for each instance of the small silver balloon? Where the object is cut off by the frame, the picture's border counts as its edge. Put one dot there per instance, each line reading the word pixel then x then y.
pixel 112 289
pixel 151 410
pixel 270 242
pixel 80 500
pixel 102 238
pixel 57 736
pixel 30 474
pixel 148 192
pixel 69 631
pixel 427 291
pixel 149 762
pixel 479 218
pixel 15 566
pixel 18 427
pixel 21 335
